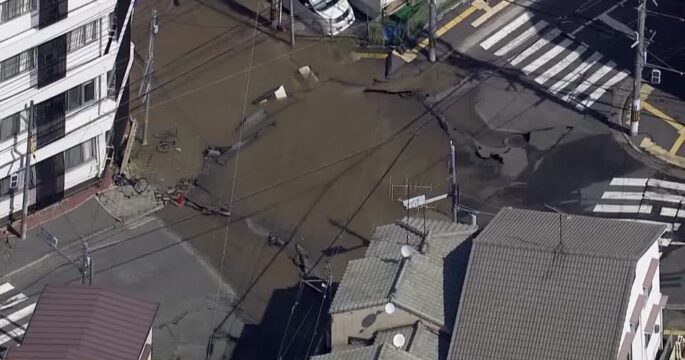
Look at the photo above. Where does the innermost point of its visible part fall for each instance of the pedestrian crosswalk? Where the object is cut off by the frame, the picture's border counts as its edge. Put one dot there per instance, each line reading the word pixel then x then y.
pixel 554 60
pixel 15 312
pixel 644 199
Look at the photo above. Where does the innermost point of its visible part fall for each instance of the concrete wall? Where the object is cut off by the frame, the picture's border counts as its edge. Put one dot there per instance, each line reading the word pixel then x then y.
pixel 643 349
pixel 364 323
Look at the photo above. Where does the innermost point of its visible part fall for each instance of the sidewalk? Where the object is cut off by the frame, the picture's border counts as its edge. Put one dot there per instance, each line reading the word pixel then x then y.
pixel 662 126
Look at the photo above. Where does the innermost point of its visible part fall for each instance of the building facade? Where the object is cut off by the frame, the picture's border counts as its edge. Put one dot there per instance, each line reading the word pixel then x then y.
pixel 71 58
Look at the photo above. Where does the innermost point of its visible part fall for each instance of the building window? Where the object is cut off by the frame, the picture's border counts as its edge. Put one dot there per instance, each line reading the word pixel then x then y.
pixel 111 84
pixel 14 8
pixel 18 64
pixel 79 154
pixel 82 36
pixel 10 126
pixel 81 95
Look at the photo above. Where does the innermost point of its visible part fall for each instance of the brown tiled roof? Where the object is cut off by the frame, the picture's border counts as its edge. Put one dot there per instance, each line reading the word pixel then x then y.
pixel 74 322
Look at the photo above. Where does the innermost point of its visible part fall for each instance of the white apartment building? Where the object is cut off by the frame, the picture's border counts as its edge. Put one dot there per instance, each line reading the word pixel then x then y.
pixel 72 59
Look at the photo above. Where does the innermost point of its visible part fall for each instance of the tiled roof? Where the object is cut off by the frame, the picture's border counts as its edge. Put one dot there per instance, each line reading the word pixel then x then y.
pixel 528 297
pixel 420 340
pixel 373 352
pixel 579 234
pixel 73 322
pixel 415 284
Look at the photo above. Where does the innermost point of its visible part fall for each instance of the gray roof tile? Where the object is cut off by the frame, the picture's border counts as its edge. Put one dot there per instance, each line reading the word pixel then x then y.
pixel 526 297
pixel 366 282
pixel 373 352
pixel 421 340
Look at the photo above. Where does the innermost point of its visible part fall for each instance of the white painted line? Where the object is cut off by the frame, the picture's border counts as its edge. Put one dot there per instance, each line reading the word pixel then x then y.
pixel 554 70
pixel 629 182
pixel 621 195
pixel 17 315
pixel 511 45
pixel 5 288
pixel 14 300
pixel 585 84
pixel 671 212
pixel 505 31
pixel 547 57
pixel 544 40
pixel 601 90
pixel 617 25
pixel 628 209
pixel 14 334
pixel 666 184
pixel 490 13
pixel 576 73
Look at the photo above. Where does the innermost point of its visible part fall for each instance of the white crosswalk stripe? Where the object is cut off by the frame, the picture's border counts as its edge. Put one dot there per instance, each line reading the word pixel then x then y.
pixel 596 76
pixel 602 89
pixel 561 65
pixel 511 45
pixel 15 312
pixel 559 62
pixel 649 200
pixel 506 30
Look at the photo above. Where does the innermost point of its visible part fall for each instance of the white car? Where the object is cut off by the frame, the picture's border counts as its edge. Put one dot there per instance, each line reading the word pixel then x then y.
pixel 330 17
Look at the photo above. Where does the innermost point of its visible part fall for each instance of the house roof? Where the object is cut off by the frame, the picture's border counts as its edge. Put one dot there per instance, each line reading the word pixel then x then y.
pixel 528 295
pixel 415 284
pixel 420 340
pixel 372 352
pixel 75 322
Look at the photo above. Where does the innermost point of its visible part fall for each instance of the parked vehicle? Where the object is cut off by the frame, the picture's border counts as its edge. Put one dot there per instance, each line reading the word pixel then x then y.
pixel 329 17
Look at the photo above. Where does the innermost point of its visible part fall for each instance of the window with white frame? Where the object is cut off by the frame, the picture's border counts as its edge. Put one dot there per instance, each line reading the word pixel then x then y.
pixel 18 64
pixel 82 36
pixel 79 154
pixel 81 95
pixel 10 126
pixel 13 8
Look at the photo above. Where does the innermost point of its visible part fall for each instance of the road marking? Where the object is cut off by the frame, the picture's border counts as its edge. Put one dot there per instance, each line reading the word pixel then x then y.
pixel 554 70
pixel 677 144
pixel 621 195
pixel 647 195
pixel 629 209
pixel 584 85
pixel 666 184
pixel 14 334
pixel 576 73
pixel 371 55
pixel 5 288
pixel 511 45
pixel 661 115
pixel 601 90
pixel 483 18
pixel 14 300
pixel 412 54
pixel 544 40
pixel 629 182
pixel 505 31
pixel 671 212
pixel 547 57
pixel 616 25
pixel 669 227
pixel 17 315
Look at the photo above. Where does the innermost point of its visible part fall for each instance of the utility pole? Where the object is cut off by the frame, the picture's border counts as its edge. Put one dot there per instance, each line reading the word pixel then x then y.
pixel 639 65
pixel 292 24
pixel 276 11
pixel 86 266
pixel 431 32
pixel 455 186
pixel 27 171
pixel 146 85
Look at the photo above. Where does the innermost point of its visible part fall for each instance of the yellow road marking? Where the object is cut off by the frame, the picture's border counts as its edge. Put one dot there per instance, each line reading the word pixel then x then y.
pixel 677 144
pixel 661 115
pixel 490 13
pixel 371 55
pixel 413 53
pixel 674 332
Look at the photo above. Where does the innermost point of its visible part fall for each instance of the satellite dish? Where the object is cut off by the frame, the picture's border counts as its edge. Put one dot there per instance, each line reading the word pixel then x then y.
pixel 389 308
pixel 407 251
pixel 398 340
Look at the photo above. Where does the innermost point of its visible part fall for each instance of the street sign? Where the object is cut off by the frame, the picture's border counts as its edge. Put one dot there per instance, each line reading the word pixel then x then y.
pixel 48 238
pixel 656 76
pixel 414 202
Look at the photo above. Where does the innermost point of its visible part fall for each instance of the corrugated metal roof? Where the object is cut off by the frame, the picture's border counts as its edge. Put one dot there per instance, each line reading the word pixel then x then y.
pixel 86 322
pixel 578 234
pixel 526 297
